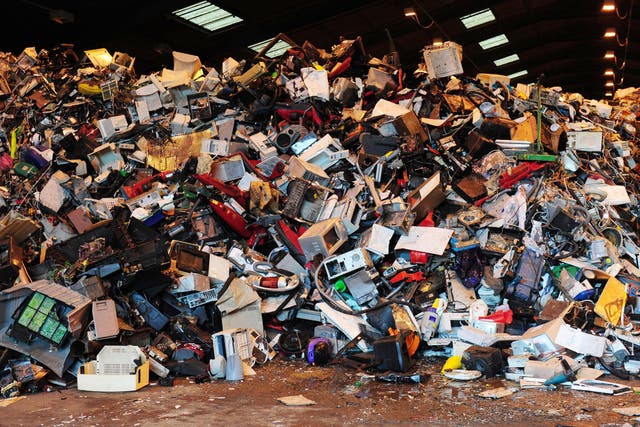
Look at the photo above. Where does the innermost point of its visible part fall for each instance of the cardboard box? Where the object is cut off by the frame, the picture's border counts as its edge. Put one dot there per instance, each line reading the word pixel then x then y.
pixel 526 130
pixel 88 380
pixel 248 316
pixel 408 125
pixel 563 335
pixel 426 197
pixel 590 141
pixel 240 307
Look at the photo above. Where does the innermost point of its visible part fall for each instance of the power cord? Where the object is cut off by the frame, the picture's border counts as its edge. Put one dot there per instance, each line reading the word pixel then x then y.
pixel 329 300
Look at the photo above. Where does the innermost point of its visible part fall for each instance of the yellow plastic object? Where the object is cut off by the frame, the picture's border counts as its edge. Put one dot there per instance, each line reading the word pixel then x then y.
pixel 87 89
pixel 612 301
pixel 14 141
pixel 454 362
pixel 88 380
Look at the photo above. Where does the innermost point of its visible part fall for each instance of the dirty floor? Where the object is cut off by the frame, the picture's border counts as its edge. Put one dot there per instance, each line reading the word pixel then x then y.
pixel 342 396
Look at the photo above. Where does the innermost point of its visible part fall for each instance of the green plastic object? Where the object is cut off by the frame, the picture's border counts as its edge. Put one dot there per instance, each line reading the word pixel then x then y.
pixel 25 169
pixel 571 269
pixel 340 286
pixel 536 157
pixel 40 317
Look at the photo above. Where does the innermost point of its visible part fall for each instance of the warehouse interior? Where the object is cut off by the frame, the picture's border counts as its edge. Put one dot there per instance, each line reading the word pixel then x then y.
pixel 562 39
pixel 320 212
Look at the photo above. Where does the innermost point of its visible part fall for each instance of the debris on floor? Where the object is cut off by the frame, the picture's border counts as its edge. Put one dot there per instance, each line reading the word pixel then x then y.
pixel 297 400
pixel 498 393
pixel 322 205
pixel 630 411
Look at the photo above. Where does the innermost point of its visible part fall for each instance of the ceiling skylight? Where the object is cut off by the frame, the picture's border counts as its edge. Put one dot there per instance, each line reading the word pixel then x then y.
pixel 518 74
pixel 276 50
pixel 506 60
pixel 207 15
pixel 492 42
pixel 477 18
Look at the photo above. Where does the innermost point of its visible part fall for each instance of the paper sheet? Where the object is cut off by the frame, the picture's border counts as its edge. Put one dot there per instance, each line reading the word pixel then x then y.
pixel 435 122
pixel 616 194
pixel 317 82
pixel 297 89
pixel 388 108
pixel 432 240
pixel 379 241
pixel 245 183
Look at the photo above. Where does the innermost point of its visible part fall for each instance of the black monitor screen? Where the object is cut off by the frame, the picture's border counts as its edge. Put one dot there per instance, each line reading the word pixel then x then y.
pixel 192 262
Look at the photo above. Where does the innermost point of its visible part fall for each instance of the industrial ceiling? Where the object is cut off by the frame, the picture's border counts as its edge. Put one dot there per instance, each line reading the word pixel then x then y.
pixel 562 39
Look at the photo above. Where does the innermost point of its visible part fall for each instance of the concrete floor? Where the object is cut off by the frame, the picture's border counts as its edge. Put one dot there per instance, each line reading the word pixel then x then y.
pixel 342 396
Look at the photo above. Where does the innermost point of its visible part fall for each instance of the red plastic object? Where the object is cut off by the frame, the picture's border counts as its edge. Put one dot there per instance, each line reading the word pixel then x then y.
pixel 520 172
pixel 500 317
pixel 237 223
pixel 427 221
pixel 232 218
pixel 193 347
pixel 407 277
pixel 480 202
pixel 242 197
pixel 291 235
pixel 89 131
pixel 418 257
pixel 293 116
pixel 141 186
pixel 340 68
pixel 6 162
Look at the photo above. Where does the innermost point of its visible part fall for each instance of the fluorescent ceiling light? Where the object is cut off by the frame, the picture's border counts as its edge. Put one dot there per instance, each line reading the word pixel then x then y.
pixel 609 6
pixel 492 42
pixel 477 18
pixel 610 32
pixel 207 15
pixel 518 74
pixel 609 54
pixel 409 11
pixel 608 72
pixel 506 60
pixel 276 50
pixel 609 84
pixel 608 94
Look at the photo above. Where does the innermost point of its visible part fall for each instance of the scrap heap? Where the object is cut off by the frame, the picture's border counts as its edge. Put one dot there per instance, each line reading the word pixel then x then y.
pixel 320 204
